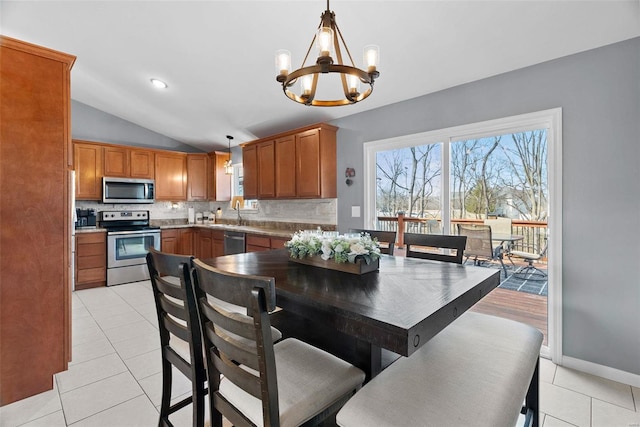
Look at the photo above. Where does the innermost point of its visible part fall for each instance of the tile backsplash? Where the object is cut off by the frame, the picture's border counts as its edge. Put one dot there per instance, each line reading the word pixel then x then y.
pixel 307 211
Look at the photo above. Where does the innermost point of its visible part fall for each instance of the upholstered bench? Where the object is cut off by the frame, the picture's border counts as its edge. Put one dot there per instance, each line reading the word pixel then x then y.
pixel 476 372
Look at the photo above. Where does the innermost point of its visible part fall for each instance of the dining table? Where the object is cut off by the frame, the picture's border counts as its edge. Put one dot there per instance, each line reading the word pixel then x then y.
pixel 393 310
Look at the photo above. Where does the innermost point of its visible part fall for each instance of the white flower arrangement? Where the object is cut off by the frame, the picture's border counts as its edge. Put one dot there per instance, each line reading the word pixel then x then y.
pixel 331 245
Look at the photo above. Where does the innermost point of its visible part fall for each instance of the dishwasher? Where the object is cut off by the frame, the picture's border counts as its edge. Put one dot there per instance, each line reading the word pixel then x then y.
pixel 234 242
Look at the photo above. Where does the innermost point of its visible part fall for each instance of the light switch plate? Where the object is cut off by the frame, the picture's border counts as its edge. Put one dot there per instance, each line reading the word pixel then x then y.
pixel 355 211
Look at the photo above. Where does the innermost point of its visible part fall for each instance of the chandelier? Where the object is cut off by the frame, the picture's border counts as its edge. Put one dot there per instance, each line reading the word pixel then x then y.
pixel 327 40
pixel 228 164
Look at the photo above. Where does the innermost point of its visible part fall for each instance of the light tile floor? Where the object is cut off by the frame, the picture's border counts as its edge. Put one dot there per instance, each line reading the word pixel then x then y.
pixel 115 380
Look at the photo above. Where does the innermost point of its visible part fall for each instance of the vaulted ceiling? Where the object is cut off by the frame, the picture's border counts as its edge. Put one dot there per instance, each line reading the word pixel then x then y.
pixel 218 56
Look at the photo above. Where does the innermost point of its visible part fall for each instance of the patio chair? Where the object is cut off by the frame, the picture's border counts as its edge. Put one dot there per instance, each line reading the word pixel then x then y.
pixel 437 241
pixel 386 237
pixel 530 271
pixel 500 226
pixel 480 244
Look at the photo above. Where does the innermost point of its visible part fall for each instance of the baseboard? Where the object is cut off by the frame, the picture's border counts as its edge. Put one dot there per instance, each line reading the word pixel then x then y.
pixel 601 371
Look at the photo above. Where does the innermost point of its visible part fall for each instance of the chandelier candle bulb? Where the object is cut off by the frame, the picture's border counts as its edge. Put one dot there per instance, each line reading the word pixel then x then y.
pixel 371 57
pixel 283 62
pixel 324 40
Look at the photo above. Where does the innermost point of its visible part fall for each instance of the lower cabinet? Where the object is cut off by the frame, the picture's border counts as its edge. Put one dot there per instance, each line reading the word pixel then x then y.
pixel 210 243
pixel 256 242
pixel 91 260
pixel 179 241
pixel 207 243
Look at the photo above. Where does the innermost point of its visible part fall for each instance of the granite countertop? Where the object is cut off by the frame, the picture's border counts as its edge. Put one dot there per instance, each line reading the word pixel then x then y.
pixel 90 230
pixel 266 231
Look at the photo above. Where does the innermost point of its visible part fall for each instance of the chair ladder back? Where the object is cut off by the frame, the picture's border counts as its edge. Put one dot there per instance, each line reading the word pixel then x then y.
pixel 250 348
pixel 175 303
pixel 236 288
pixel 388 237
pixel 438 241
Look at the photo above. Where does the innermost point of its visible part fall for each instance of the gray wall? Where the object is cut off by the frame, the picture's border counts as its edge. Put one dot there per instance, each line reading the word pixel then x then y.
pixel 91 124
pixel 599 92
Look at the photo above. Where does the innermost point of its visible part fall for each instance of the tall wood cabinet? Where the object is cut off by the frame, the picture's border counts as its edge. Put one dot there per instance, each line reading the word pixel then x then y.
pixel 295 164
pixel 35 155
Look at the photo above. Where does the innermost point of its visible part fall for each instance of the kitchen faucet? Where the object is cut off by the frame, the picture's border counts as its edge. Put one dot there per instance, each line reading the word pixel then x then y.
pixel 237 207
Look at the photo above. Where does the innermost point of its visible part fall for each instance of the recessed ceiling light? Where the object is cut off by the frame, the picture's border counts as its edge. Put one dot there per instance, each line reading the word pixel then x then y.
pixel 159 84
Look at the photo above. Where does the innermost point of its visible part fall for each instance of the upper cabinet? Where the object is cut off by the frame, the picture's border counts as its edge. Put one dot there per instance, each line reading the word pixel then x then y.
pixel 128 162
pixel 296 164
pixel 141 163
pixel 93 160
pixel 116 161
pixel 250 167
pixel 178 176
pixel 197 176
pixel 171 176
pixel 88 164
pixel 219 183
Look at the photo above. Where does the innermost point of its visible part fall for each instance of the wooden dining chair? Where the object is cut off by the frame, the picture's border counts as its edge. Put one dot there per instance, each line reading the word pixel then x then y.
pixel 386 237
pixel 180 335
pixel 253 381
pixel 429 246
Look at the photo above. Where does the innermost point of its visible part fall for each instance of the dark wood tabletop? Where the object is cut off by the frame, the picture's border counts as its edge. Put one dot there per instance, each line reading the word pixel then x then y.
pixel 399 307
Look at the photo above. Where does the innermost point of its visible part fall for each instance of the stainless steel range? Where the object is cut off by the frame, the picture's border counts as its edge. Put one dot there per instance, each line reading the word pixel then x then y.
pixel 129 237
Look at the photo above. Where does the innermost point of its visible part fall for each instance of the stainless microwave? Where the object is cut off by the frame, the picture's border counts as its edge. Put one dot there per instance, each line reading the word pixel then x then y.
pixel 127 190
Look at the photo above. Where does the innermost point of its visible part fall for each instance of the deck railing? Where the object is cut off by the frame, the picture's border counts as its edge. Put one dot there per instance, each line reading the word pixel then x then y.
pixel 534 232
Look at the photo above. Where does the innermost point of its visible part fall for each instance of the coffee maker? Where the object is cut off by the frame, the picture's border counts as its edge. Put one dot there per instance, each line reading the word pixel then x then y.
pixel 85 218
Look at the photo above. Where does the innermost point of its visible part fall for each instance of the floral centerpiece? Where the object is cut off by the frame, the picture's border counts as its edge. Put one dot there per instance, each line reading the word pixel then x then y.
pixel 355 253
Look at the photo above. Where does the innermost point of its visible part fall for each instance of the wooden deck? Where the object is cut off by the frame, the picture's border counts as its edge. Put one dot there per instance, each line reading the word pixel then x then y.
pixel 520 306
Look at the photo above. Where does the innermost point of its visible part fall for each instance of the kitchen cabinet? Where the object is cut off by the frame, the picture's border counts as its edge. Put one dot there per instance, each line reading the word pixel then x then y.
pixel 177 241
pixel 218 242
pixel 116 161
pixel 171 176
pixel 266 170
pixel 204 248
pixel 257 242
pixel 35 266
pixel 250 168
pixel 219 187
pixel 209 243
pixel 141 164
pixel 278 242
pixel 169 241
pixel 88 164
pixel 285 163
pixel 91 260
pixel 186 241
pixel 258 163
pixel 295 164
pixel 197 176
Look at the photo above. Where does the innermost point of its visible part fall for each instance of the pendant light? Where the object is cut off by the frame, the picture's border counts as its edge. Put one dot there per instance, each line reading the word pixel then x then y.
pixel 228 164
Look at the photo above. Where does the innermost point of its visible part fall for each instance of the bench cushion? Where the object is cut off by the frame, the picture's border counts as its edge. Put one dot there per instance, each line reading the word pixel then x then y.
pixel 476 372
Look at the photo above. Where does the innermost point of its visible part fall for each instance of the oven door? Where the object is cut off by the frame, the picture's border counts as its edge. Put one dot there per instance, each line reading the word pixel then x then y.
pixel 126 248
